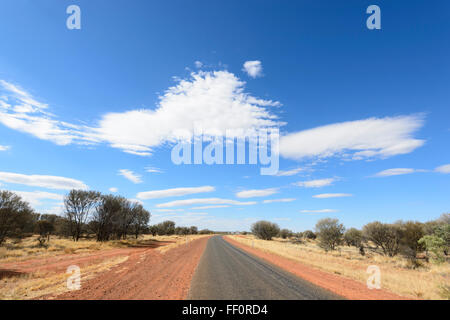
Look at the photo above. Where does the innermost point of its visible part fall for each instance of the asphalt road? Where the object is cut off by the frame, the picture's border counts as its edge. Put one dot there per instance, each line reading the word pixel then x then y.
pixel 226 272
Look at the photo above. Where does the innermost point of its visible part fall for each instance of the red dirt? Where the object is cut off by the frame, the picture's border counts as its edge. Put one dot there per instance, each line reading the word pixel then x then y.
pixel 342 286
pixel 147 274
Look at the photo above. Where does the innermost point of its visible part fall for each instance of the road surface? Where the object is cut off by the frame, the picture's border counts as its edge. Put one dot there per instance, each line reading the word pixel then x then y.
pixel 229 273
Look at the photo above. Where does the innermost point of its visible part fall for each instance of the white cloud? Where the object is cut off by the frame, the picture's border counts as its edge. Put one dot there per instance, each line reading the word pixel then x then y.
pixel 332 195
pixel 315 183
pixel 49 182
pixel 24 113
pixel 210 207
pixel 213 101
pixel 153 170
pixel 253 68
pixel 175 192
pixel 136 201
pixel 113 190
pixel 279 200
pixel 168 210
pixel 287 173
pixel 319 211
pixel 35 197
pixel 198 64
pixel 4 148
pixel 396 172
pixel 130 175
pixel 354 140
pixel 212 201
pixel 443 169
pixel 256 193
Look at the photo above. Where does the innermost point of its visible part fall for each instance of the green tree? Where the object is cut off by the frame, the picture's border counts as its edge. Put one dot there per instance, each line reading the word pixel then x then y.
pixel 329 232
pixel 14 215
pixel 265 230
pixel 386 236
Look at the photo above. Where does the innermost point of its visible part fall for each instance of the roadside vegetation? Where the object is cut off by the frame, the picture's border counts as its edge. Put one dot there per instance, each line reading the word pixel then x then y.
pixel 413 256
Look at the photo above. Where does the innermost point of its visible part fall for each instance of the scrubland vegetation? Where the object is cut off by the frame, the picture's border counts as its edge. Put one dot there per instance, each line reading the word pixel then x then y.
pixel 413 256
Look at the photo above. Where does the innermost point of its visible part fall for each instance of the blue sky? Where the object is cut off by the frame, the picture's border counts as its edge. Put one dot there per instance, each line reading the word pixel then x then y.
pixel 363 114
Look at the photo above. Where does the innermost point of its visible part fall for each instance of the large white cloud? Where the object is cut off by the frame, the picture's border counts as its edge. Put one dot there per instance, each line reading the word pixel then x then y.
pixel 369 138
pixel 211 201
pixel 175 192
pixel 50 182
pixel 211 101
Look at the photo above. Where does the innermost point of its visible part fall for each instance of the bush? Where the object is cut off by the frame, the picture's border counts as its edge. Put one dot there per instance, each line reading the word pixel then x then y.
pixel 411 233
pixel 330 232
pixel 15 216
pixel 435 245
pixel 285 233
pixel 386 236
pixel 353 237
pixel 265 230
pixel 308 234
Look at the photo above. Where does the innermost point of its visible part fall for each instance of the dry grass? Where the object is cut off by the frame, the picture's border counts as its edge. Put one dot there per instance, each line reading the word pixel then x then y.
pixel 34 285
pixel 430 281
pixel 37 284
pixel 28 248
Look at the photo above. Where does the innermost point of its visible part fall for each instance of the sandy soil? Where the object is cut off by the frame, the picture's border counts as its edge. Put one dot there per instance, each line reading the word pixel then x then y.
pixel 342 286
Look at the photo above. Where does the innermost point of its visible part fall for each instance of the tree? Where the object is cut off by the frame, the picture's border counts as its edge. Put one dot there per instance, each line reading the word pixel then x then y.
pixel 308 234
pixel 386 236
pixel 14 215
pixel 435 245
pixel 153 230
pixel 79 205
pixel 166 228
pixel 353 237
pixel 106 216
pixel 193 230
pixel 141 217
pixel 265 230
pixel 44 228
pixel 330 232
pixel 285 233
pixel 411 233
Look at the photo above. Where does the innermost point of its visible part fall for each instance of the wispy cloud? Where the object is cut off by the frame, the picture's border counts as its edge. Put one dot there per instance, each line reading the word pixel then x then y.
pixel 332 195
pixel 355 140
pixel 130 175
pixel 49 182
pixel 279 200
pixel 256 193
pixel 291 172
pixel 209 207
pixel 396 172
pixel 153 170
pixel 315 183
pixel 319 211
pixel 175 192
pixel 253 68
pixel 4 148
pixel 113 190
pixel 443 169
pixel 211 201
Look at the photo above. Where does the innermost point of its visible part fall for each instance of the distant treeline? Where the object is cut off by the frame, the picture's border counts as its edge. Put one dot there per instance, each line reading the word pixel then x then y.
pixel 86 214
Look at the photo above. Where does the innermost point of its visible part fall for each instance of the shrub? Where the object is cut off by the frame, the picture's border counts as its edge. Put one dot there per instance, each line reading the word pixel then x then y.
pixel 411 233
pixel 435 245
pixel 353 237
pixel 386 236
pixel 285 233
pixel 330 232
pixel 265 230
pixel 308 234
